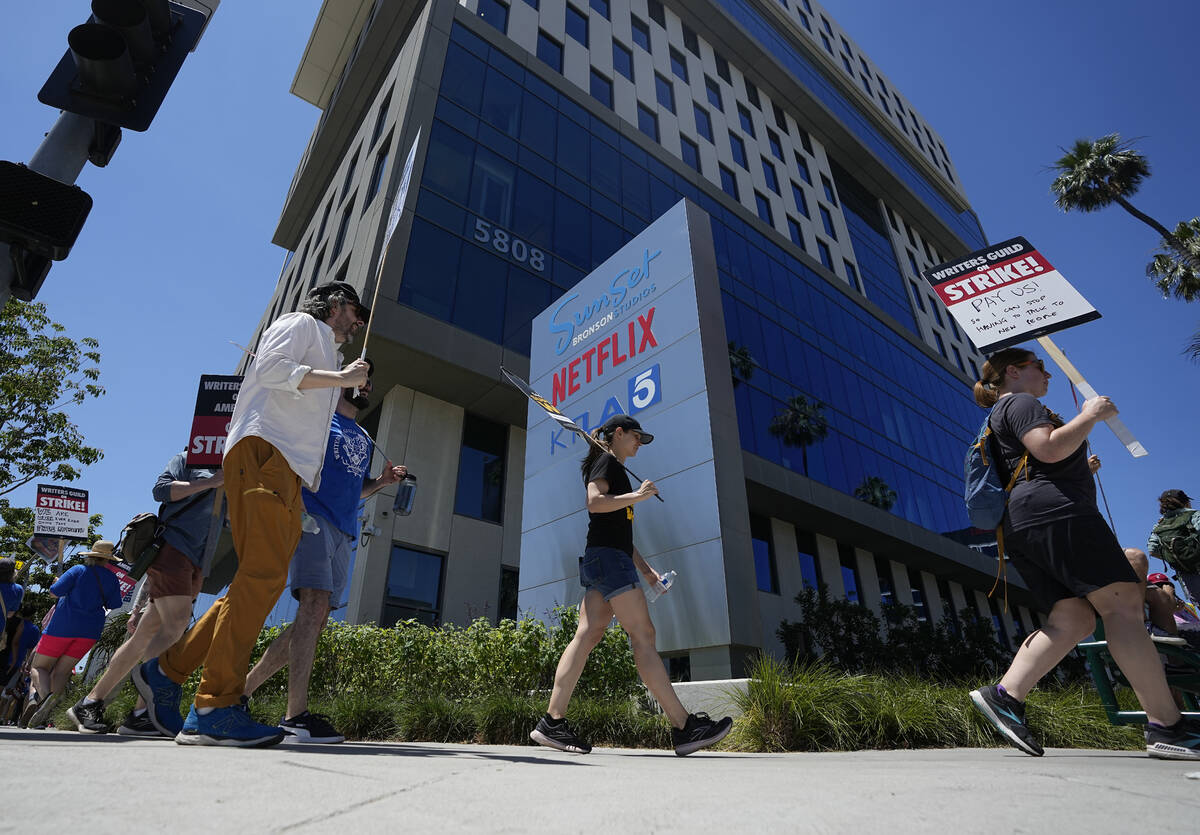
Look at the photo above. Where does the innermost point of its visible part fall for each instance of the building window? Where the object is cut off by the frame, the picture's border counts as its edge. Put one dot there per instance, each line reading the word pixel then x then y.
pixel 805 141
pixel 763 206
pixel 846 64
pixel 729 183
pixel 801 200
pixel 912 262
pixel 738 149
pixel 550 51
pixel 770 176
pixel 825 43
pixel 746 120
pixel 381 118
pixel 679 64
pixel 958 360
pixel 846 46
pixel 780 118
pixel 623 60
pixel 849 566
pixel 703 123
pixel 887 589
pixel 795 233
pixel 690 152
pixel 765 571
pixel 830 195
pixel 343 227
pixel 349 180
pixel 510 581
pixel 316 273
pixel 495 13
pixel 641 33
pixel 381 159
pixel 773 143
pixel 974 368
pixel 690 41
pixel 600 7
pixel 953 327
pixel 656 12
pixel 751 93
pixel 805 22
pixel 824 254
pixel 941 345
pixel 647 122
pixel 891 217
pixel 916 291
pixel 664 92
pixel 577 25
pixel 802 167
pixel 852 274
pixel 810 565
pixel 602 89
pixel 532 3
pixel 414 587
pixel 827 222
pixel 481 467
pixel 714 93
pixel 723 68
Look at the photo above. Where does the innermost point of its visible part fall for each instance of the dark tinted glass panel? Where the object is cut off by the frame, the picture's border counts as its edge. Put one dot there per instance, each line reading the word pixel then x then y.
pixel 623 60
pixel 506 608
pixel 494 12
pixel 729 183
pixel 714 92
pixel 703 122
pixel 765 571
pixel 600 6
pixel 647 122
pixel 810 566
pixel 602 89
pixel 690 152
pixel 679 64
pixel 641 33
pixel 430 270
pixel 770 176
pixel 481 469
pixel 550 51
pixel 664 92
pixel 414 587
pixel 577 25
pixel 738 149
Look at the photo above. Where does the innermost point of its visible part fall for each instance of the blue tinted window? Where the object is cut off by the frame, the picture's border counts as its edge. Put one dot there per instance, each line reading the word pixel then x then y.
pixel 941 345
pixel 494 12
pixel 722 68
pixel 647 122
pixel 958 358
pixel 771 178
pixel 539 125
pixel 764 208
pixel 600 6
pixel 602 89
pixel 802 167
pixel 623 60
pixel 746 120
pixel 665 92
pixel 641 33
pixel 828 186
pixel 481 469
pixel 703 122
pixel 810 566
pixel 414 587
pixel 448 163
pixel 776 148
pixel 765 572
pixel 827 222
pixel 482 286
pixel 381 159
pixel 492 187
pixel 533 3
pixel 430 270
pixel 527 297
pixel 795 233
pixel 714 92
pixel 577 25
pixel 550 51
pixel 825 255
pixel 801 200
pixel 501 106
pixel 533 211
pixel 690 152
pixel 751 92
pixel 679 64
pixel 738 148
pixel 852 274
pixel 729 182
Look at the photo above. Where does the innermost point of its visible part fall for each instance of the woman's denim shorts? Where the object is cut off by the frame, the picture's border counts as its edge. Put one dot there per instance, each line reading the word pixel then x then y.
pixel 609 571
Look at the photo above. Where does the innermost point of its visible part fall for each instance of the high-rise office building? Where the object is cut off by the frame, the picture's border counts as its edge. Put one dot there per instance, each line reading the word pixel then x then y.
pixel 547 134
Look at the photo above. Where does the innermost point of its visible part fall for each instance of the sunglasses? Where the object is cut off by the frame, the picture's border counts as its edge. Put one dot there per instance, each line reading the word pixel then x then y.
pixel 1041 365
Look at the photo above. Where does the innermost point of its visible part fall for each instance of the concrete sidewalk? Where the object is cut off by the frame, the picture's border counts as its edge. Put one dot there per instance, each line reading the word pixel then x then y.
pixel 61 781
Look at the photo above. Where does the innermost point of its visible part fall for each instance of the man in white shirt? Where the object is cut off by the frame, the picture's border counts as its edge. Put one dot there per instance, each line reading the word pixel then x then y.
pixel 276 444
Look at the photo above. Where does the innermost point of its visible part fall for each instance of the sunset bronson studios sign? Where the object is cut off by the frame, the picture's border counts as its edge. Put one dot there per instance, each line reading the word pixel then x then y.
pixel 627 339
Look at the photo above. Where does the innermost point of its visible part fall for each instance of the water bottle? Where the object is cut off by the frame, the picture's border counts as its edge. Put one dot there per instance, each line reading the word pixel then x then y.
pixel 660 588
pixel 406 493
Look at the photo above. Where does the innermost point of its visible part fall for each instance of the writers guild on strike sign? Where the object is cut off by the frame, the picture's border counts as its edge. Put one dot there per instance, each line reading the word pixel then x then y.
pixel 61 512
pixel 215 402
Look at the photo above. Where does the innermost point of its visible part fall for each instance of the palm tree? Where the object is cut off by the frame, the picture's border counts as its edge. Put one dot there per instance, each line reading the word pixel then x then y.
pixel 801 424
pixel 1172 274
pixel 741 363
pixel 1094 175
pixel 875 491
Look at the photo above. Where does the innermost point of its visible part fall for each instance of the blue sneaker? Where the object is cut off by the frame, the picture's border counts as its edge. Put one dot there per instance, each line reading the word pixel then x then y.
pixel 1180 741
pixel 161 696
pixel 229 726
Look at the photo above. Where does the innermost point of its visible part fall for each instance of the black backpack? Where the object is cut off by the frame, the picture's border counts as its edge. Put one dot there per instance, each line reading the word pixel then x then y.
pixel 139 543
pixel 1179 542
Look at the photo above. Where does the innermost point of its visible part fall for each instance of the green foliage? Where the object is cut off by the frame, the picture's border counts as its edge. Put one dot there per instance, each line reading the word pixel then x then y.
pixel 875 491
pixel 813 707
pixel 1092 175
pixel 16 526
pixel 1175 268
pixel 42 371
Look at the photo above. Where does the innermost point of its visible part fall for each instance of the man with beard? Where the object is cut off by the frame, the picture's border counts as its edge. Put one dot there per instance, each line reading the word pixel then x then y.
pixel 321 562
pixel 276 445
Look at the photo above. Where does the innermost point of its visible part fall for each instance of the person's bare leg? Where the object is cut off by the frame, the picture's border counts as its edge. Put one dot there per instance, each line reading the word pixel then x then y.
pixel 634 617
pixel 61 673
pixel 310 620
pixel 272 661
pixel 1070 621
pixel 39 674
pixel 128 655
pixel 594 615
pixel 1120 605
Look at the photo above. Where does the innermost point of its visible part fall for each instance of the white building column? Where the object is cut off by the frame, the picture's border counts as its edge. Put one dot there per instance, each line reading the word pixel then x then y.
pixel 868 579
pixel 831 567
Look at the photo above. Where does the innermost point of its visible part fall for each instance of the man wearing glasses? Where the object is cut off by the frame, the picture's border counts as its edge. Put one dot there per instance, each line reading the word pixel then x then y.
pixel 276 445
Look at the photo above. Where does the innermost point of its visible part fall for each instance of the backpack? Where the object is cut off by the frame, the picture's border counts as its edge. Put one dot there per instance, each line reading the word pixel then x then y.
pixel 1179 542
pixel 986 493
pixel 139 542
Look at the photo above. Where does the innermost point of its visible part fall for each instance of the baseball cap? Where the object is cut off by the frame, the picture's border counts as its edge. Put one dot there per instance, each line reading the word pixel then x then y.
pixel 628 424
pixel 1155 579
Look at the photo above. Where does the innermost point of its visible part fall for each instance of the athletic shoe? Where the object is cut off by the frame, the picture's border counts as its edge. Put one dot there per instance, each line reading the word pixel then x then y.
pixel 31 706
pixel 139 725
pixel 227 726
pixel 1181 741
pixel 41 716
pixel 699 732
pixel 559 736
pixel 88 718
pixel 310 728
pixel 1007 715
pixel 161 696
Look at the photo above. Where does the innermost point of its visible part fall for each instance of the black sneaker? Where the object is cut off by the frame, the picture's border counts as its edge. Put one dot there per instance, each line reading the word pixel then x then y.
pixel 310 728
pixel 559 736
pixel 31 706
pixel 1181 741
pixel 139 725
pixel 41 715
pixel 699 732
pixel 1007 715
pixel 88 718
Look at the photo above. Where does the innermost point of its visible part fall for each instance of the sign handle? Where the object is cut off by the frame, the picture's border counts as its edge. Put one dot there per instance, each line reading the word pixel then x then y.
pixel 62 544
pixel 1117 426
pixel 214 531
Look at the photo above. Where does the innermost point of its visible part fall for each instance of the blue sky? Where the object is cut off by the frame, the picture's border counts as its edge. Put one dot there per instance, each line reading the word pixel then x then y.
pixel 176 258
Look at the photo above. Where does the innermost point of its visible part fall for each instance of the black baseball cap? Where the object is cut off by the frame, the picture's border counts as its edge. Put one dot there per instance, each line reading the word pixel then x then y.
pixel 330 287
pixel 628 424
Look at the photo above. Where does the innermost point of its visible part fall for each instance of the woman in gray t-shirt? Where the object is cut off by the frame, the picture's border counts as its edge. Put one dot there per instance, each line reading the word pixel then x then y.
pixel 1067 556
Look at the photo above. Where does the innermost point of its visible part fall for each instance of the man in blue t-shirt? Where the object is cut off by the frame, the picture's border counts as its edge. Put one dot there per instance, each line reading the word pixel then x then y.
pixel 322 559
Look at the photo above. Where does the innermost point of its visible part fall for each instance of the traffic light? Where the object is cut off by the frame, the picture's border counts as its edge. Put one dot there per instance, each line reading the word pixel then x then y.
pixel 120 64
pixel 40 218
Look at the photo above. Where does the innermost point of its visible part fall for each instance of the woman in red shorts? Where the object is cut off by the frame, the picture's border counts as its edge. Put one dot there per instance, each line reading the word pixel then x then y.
pixel 83 592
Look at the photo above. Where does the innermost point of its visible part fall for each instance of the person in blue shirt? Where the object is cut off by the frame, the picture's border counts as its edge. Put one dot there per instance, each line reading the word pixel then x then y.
pixel 11 593
pixel 83 592
pixel 322 559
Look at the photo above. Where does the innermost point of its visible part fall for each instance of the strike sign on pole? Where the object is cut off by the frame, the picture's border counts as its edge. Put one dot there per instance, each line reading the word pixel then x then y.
pixel 215 402
pixel 61 512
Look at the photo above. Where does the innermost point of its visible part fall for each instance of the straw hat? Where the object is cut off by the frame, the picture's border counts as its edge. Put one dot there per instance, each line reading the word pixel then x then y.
pixel 101 549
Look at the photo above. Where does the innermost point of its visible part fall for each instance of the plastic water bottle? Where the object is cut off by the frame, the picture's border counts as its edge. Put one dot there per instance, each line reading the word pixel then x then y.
pixel 406 494
pixel 660 588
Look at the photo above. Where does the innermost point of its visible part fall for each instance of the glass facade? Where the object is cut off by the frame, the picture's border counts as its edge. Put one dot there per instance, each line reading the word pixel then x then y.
pixel 524 192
